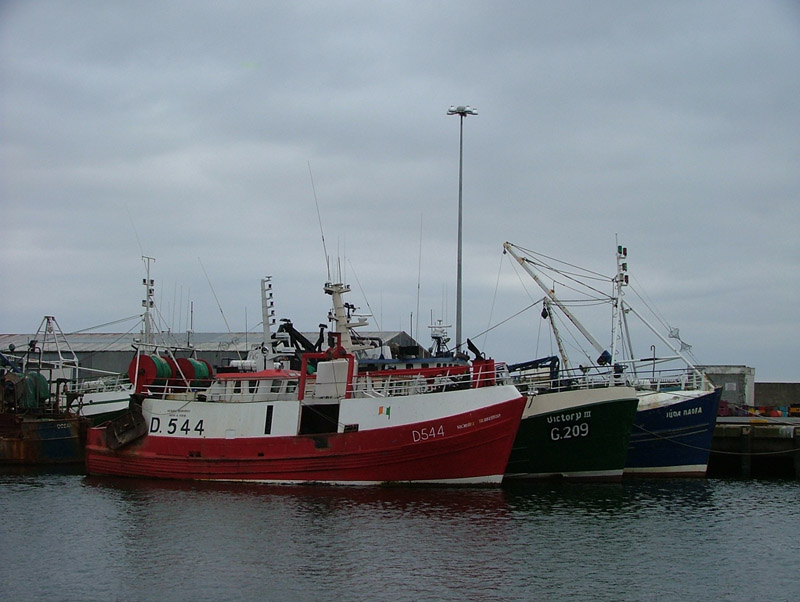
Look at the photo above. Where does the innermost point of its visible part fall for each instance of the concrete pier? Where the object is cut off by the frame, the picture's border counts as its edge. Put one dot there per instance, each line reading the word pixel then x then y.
pixel 755 447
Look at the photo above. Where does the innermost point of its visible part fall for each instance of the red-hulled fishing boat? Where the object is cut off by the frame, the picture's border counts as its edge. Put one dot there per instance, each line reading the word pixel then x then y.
pixel 325 423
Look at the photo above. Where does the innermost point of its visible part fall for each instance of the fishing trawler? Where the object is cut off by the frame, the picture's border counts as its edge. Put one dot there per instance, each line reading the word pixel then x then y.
pixel 325 422
pixel 36 426
pixel 676 406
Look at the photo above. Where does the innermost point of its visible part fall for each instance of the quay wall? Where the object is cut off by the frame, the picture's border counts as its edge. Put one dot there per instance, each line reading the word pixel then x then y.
pixel 754 447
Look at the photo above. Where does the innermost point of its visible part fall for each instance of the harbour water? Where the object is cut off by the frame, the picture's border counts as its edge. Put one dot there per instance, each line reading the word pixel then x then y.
pixel 65 536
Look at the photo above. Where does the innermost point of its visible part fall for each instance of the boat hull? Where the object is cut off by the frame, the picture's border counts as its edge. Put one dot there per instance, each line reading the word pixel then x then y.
pixel 100 407
pixel 34 441
pixel 672 434
pixel 468 448
pixel 581 434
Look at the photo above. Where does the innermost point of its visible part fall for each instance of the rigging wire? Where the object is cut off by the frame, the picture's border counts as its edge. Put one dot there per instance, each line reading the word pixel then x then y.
pixel 580 288
pixel 511 317
pixel 579 276
pixel 136 317
pixel 213 292
pixel 135 233
pixel 661 319
pixel 523 310
pixel 115 341
pixel 650 306
pixel 363 294
pixel 494 298
pixel 580 269
pixel 219 306
pixel 574 342
pixel 539 336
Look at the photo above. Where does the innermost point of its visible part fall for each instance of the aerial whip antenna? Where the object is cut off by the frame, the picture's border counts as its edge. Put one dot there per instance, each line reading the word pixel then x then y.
pixel 319 219
pixel 213 292
pixel 135 232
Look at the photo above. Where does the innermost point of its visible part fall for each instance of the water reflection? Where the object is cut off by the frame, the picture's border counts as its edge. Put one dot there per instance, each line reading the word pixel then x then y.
pixel 308 538
pixel 314 499
pixel 609 500
pixel 132 539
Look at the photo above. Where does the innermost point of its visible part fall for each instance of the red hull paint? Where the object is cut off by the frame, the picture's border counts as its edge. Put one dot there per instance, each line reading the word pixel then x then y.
pixel 473 447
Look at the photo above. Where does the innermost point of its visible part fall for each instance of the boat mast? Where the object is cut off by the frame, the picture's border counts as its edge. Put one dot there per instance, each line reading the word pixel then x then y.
pixel 686 360
pixel 617 313
pixel 267 309
pixel 50 335
pixel 148 302
pixel 621 308
pixel 342 323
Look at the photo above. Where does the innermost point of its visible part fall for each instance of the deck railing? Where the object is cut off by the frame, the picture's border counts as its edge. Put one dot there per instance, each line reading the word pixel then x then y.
pixel 314 387
pixel 658 380
pixel 113 382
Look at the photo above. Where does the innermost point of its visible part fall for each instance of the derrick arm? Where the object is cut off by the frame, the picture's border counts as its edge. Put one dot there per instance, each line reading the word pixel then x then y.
pixel 508 247
pixel 551 362
pixel 297 339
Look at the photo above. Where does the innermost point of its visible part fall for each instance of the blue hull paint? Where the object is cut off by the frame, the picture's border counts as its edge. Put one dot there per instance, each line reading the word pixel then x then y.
pixel 41 441
pixel 673 440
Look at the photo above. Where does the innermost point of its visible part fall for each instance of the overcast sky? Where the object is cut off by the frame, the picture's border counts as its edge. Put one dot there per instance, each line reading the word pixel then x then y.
pixel 192 131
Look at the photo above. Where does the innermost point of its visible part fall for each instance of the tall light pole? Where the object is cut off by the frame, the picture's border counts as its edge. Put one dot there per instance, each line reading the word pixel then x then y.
pixel 461 111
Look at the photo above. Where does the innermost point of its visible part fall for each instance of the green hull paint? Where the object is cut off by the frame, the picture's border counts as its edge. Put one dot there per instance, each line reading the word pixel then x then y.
pixel 580 434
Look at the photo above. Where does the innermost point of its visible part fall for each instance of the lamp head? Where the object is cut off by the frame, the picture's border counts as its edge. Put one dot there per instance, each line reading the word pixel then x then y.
pixel 462 110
